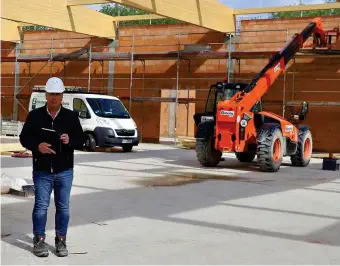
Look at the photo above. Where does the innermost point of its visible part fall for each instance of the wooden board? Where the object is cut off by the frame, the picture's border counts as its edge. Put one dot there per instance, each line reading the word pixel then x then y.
pixel 9 30
pixel 275 9
pixel 209 14
pixel 55 14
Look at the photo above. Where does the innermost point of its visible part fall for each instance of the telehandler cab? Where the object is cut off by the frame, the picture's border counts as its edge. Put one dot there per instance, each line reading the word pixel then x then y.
pixel 234 121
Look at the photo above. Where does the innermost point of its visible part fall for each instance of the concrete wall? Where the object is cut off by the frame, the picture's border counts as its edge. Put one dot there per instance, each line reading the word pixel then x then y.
pixel 157 78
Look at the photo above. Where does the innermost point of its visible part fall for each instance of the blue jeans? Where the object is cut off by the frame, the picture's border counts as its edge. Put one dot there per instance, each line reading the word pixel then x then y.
pixel 44 183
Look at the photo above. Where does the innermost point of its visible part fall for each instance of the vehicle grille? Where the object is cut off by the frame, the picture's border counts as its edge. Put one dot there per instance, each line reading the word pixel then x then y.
pixel 125 132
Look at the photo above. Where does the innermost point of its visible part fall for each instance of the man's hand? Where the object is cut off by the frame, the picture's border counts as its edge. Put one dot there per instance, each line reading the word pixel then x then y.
pixel 44 148
pixel 65 138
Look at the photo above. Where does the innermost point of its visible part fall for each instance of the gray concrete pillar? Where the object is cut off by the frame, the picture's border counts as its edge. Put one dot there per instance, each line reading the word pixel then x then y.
pixel 16 82
pixel 111 69
pixel 172 114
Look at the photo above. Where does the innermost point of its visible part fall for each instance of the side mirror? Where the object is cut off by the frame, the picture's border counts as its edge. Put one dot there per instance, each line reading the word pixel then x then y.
pixel 219 87
pixel 303 112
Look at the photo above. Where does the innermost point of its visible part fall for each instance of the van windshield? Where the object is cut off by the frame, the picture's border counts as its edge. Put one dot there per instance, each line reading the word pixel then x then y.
pixel 108 108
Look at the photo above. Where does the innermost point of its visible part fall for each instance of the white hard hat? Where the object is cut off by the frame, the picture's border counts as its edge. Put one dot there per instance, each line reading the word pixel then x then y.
pixel 54 85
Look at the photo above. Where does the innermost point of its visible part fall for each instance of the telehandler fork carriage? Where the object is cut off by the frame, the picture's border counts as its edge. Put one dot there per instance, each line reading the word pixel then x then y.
pixel 234 121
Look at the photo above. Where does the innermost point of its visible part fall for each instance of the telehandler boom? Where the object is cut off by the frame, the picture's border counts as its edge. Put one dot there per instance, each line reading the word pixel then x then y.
pixel 234 121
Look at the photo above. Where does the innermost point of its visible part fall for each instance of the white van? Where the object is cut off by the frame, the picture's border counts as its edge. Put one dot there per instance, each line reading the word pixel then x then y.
pixel 104 118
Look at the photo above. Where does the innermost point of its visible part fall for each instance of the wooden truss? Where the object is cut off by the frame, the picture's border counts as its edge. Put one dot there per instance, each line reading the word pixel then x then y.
pixel 71 15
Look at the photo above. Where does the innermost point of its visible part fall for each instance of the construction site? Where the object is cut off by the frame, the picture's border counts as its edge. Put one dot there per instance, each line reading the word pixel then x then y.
pixel 214 181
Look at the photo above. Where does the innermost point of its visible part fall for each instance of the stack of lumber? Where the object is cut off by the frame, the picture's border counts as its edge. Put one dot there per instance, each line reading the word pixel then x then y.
pixel 186 143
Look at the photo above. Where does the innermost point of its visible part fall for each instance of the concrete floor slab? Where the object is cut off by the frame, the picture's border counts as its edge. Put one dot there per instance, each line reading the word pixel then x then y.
pixel 249 217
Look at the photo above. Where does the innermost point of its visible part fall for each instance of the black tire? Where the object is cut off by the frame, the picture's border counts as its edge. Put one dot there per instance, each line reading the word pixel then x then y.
pixel 304 149
pixel 270 149
pixel 245 157
pixel 127 148
pixel 90 144
pixel 206 153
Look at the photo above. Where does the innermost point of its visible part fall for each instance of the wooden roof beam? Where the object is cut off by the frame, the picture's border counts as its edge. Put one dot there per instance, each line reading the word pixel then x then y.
pixel 55 14
pixel 136 17
pixel 86 2
pixel 10 31
pixel 210 14
pixel 275 9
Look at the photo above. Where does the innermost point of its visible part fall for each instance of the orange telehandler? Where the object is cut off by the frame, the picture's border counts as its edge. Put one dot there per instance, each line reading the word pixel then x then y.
pixel 233 120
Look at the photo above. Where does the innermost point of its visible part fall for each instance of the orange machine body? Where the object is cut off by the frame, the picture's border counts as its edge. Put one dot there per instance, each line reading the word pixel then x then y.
pixel 230 135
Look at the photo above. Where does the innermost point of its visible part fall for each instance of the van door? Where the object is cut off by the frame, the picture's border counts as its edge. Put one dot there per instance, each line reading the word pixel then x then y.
pixel 84 115
pixel 67 101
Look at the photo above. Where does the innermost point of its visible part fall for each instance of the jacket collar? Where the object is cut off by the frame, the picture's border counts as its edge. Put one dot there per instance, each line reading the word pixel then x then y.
pixel 59 111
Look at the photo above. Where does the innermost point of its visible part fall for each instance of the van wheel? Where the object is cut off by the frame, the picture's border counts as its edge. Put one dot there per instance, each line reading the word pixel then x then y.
pixel 90 144
pixel 127 148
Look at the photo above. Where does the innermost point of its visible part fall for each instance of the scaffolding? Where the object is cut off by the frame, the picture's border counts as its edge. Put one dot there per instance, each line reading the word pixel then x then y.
pixel 184 52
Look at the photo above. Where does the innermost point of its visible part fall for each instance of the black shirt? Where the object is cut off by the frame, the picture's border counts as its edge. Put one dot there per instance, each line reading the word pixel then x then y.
pixel 40 127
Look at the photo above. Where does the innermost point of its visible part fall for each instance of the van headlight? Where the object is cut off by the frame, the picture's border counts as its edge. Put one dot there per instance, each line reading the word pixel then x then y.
pixel 134 123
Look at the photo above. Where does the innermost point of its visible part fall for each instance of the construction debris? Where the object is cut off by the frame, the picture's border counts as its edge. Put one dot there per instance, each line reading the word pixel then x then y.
pixel 14 183
pixel 21 154
pixel 11 146
pixel 26 191
pixel 187 143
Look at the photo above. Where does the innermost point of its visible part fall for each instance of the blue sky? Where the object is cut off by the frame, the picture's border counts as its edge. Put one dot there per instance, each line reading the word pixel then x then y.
pixel 256 3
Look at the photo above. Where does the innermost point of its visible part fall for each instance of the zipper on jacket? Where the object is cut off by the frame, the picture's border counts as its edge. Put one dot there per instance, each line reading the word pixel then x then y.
pixel 52 158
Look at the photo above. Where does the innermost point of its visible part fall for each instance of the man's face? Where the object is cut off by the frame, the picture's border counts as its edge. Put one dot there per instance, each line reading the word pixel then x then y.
pixel 54 99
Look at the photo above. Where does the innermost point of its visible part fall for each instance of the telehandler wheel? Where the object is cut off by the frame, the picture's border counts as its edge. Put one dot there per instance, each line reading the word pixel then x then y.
pixel 245 157
pixel 270 149
pixel 304 149
pixel 206 153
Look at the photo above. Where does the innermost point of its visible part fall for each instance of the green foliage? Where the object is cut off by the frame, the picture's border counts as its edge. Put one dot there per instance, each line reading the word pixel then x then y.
pixel 31 28
pixel 119 10
pixel 309 13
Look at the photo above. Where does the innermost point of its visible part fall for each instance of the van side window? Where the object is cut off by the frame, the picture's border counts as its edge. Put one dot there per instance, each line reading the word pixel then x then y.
pixel 79 106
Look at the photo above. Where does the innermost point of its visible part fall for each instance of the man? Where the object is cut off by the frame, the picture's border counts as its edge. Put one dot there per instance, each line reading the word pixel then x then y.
pixel 52 132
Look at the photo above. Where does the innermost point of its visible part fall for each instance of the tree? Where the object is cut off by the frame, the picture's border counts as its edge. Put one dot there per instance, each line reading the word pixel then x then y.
pixel 309 13
pixel 120 10
pixel 31 28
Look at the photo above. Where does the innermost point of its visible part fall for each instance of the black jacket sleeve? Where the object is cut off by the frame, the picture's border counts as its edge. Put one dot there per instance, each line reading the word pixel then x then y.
pixel 77 136
pixel 28 136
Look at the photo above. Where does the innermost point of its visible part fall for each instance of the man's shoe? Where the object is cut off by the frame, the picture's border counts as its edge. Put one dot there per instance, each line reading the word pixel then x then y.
pixel 40 247
pixel 61 247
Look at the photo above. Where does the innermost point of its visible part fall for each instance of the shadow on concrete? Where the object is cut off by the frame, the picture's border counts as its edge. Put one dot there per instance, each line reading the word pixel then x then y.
pixel 160 203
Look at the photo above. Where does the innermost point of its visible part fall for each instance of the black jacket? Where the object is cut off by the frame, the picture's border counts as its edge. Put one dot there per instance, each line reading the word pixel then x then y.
pixel 35 131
